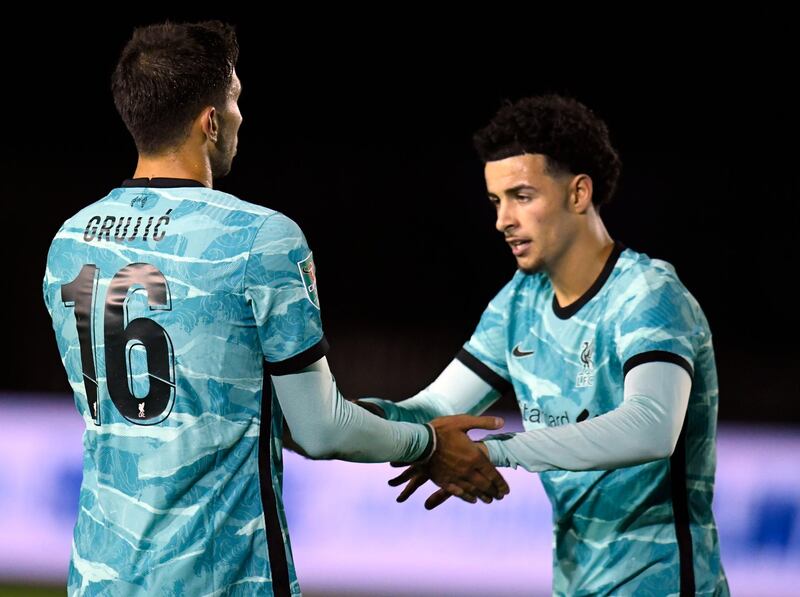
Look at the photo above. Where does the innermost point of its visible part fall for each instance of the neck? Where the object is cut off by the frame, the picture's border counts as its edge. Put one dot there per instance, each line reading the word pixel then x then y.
pixel 181 163
pixel 580 264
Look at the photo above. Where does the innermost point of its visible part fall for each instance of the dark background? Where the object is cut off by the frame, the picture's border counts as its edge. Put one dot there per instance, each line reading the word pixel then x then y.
pixel 361 132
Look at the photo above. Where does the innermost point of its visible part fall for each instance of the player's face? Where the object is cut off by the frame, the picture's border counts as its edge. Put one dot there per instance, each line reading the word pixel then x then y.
pixel 230 118
pixel 532 209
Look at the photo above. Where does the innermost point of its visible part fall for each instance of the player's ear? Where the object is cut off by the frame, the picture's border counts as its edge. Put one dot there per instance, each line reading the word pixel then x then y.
pixel 580 193
pixel 209 123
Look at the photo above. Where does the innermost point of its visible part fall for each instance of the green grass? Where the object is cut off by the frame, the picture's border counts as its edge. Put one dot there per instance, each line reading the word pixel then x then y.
pixel 31 591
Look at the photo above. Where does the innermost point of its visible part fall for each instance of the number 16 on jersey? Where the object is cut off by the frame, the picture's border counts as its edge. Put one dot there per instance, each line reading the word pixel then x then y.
pixel 122 336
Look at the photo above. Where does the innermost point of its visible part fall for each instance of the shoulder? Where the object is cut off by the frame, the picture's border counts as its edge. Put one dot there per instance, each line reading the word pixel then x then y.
pixel 645 283
pixel 639 273
pixel 270 230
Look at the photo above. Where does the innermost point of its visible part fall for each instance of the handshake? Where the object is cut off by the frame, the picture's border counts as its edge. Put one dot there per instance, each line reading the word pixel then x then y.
pixel 458 465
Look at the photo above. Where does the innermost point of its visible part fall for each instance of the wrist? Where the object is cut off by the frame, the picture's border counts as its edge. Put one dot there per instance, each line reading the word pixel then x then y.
pixel 430 448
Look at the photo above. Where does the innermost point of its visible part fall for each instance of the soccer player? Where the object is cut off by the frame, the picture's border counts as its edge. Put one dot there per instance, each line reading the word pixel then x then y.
pixel 169 301
pixel 611 361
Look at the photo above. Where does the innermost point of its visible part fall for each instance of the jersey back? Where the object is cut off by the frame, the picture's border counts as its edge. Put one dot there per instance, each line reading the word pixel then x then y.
pixel 171 303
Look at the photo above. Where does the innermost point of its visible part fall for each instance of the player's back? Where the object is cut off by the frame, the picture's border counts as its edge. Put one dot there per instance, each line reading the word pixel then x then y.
pixel 147 291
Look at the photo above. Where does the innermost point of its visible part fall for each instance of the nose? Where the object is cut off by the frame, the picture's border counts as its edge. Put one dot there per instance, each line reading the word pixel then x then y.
pixel 506 216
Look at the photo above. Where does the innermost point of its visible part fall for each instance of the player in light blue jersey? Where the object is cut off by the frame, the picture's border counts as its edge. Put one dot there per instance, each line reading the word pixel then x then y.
pixel 611 361
pixel 188 323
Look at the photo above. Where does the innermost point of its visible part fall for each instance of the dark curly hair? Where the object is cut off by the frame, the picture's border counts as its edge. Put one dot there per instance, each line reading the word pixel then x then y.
pixel 167 74
pixel 565 131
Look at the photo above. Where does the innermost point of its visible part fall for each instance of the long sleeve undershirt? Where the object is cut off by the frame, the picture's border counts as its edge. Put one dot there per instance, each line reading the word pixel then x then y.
pixel 645 426
pixel 326 425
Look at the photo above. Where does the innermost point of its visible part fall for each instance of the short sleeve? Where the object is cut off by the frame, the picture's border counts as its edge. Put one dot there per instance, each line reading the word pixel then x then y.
pixel 280 285
pixel 660 322
pixel 485 351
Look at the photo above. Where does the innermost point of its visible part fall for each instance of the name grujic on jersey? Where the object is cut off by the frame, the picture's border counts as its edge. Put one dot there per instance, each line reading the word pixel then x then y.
pixel 99 228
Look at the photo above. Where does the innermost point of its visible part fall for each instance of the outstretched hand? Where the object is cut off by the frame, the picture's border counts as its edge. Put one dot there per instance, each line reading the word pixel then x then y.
pixel 459 466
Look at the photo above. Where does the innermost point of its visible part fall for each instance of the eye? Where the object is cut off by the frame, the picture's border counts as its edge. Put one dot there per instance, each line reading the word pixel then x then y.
pixel 524 198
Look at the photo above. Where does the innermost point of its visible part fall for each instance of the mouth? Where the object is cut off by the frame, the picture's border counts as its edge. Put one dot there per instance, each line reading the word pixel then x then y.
pixel 519 246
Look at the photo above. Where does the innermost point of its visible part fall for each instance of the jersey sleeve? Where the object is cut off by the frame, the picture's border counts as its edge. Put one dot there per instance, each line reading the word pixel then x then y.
pixel 485 351
pixel 48 288
pixel 660 322
pixel 280 285
pixel 46 294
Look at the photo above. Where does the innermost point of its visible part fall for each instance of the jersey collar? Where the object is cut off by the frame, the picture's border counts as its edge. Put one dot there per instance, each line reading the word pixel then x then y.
pixel 161 183
pixel 574 307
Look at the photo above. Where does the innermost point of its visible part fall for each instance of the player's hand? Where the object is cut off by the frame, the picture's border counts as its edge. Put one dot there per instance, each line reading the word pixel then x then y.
pixel 460 462
pixel 417 476
pixel 459 466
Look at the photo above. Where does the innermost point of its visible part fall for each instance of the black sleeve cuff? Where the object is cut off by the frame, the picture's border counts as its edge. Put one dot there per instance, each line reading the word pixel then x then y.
pixel 426 454
pixel 299 361
pixel 657 356
pixel 483 371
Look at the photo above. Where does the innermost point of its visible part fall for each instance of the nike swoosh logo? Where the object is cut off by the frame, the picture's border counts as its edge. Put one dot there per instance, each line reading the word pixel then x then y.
pixel 521 353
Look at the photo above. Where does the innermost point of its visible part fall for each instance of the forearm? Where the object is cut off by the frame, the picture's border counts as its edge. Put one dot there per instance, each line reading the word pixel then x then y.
pixel 645 427
pixel 327 426
pixel 457 390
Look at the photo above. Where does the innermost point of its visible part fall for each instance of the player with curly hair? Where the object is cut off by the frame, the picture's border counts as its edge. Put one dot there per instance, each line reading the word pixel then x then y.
pixel 611 361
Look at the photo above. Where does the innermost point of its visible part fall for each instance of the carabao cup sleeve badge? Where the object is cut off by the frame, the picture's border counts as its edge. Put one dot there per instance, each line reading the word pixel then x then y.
pixel 308 272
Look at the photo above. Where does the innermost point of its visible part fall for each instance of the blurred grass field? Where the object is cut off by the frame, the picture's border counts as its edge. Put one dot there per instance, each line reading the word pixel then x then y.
pixel 31 591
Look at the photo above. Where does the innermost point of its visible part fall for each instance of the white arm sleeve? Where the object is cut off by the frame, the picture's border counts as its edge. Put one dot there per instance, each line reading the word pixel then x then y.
pixel 326 425
pixel 458 390
pixel 644 427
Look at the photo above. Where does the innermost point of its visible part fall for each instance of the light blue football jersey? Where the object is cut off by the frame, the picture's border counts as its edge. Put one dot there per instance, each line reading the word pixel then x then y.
pixel 641 530
pixel 171 304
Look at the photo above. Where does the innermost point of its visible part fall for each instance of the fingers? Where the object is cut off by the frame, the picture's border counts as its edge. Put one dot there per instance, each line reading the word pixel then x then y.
pixel 443 494
pixel 484 488
pixel 465 422
pixel 499 485
pixel 483 479
pixel 462 489
pixel 414 484
pixel 407 474
pixel 470 490
pixel 436 499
